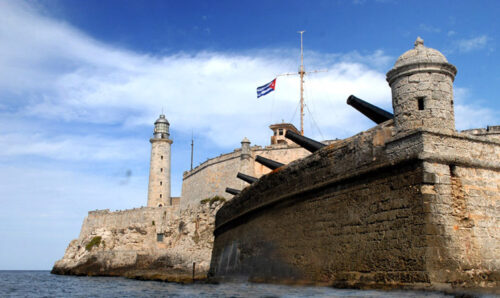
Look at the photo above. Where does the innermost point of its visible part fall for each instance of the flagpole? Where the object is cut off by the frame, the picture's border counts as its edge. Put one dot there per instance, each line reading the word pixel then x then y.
pixel 301 73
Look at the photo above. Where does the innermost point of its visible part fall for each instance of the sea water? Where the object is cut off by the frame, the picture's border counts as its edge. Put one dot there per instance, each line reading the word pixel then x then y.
pixel 44 284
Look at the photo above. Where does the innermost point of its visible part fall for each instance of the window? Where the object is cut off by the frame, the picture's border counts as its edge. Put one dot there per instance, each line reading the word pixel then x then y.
pixel 161 170
pixel 281 132
pixel 161 157
pixel 275 132
pixel 161 183
pixel 160 196
pixel 420 103
pixel 159 237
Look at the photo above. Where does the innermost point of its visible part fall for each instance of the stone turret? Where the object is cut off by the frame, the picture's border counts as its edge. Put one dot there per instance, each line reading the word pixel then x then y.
pixel 159 168
pixel 422 90
pixel 246 152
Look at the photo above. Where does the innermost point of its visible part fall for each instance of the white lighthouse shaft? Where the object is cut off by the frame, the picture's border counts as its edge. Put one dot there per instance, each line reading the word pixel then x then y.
pixel 159 169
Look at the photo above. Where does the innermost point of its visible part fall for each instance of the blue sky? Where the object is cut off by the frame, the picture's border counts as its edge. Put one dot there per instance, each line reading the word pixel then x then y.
pixel 81 83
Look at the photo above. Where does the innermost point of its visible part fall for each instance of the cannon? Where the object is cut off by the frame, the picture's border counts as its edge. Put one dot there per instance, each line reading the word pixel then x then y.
pixel 375 113
pixel 273 165
pixel 306 143
pixel 232 191
pixel 246 178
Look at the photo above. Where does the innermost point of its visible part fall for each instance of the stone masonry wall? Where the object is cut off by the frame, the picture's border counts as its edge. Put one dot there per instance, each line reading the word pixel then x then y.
pixel 346 233
pixel 463 227
pixel 211 179
pixel 126 243
pixel 281 154
pixel 435 90
pixel 213 176
pixel 376 210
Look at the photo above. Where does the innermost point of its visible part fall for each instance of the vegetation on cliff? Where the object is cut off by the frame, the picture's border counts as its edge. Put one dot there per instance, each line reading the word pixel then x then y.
pixel 213 200
pixel 96 241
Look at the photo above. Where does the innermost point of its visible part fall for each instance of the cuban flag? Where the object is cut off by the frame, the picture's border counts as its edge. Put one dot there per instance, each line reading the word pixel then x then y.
pixel 265 89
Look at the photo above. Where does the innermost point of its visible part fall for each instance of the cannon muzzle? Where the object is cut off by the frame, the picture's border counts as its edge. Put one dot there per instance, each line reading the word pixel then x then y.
pixel 375 113
pixel 246 178
pixel 306 143
pixel 273 165
pixel 232 191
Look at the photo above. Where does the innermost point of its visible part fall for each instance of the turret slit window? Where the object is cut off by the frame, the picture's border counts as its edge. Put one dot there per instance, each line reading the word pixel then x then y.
pixel 161 157
pixel 161 183
pixel 161 169
pixel 160 196
pixel 420 103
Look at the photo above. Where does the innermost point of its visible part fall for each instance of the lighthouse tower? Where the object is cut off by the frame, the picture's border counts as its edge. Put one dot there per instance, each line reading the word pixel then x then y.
pixel 159 168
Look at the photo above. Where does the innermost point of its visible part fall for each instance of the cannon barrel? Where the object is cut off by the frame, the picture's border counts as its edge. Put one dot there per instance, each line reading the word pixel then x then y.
pixel 232 191
pixel 375 113
pixel 273 165
pixel 246 178
pixel 306 143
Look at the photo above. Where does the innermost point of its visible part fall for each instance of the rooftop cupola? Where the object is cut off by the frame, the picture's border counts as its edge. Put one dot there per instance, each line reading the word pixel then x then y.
pixel 422 90
pixel 161 128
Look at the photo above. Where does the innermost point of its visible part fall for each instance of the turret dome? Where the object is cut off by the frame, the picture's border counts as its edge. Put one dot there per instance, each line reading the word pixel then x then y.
pixel 161 128
pixel 420 54
pixel 162 119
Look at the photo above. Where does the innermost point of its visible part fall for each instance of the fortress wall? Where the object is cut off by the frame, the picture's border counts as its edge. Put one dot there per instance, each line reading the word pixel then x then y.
pixel 138 217
pixel 211 178
pixel 350 232
pixel 463 194
pixel 146 243
pixel 281 154
pixel 371 211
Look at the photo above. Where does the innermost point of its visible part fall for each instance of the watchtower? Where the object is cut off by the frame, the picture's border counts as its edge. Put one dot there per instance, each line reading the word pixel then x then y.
pixel 159 168
pixel 279 131
pixel 422 90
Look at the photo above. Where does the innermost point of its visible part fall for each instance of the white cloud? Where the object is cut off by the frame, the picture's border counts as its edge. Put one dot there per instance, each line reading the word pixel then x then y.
pixel 63 75
pixel 71 148
pixel 476 43
pixel 469 114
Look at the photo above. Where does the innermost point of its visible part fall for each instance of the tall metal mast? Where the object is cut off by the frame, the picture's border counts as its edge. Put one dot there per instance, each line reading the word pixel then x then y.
pixel 302 72
pixel 192 145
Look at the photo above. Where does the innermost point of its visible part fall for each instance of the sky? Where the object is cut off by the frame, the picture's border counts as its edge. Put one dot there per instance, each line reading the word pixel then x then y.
pixel 82 82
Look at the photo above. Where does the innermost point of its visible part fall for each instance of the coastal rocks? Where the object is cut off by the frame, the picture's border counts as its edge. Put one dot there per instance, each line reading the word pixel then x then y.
pixel 144 243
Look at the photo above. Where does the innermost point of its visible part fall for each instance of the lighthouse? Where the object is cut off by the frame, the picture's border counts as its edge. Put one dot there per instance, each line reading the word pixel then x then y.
pixel 159 168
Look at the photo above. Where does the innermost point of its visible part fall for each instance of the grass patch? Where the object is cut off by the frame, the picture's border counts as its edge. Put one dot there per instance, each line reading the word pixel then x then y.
pixel 212 200
pixel 96 241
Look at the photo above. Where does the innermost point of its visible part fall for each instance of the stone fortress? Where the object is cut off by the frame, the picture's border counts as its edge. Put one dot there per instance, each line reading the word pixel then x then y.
pixel 211 178
pixel 164 239
pixel 409 202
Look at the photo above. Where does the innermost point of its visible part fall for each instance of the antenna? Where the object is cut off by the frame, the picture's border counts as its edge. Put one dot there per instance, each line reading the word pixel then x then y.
pixel 192 148
pixel 302 72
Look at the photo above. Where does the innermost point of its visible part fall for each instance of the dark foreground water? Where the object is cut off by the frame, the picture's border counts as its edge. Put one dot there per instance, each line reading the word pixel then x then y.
pixel 44 284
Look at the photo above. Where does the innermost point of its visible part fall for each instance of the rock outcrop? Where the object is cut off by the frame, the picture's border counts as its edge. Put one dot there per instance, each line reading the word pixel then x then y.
pixel 144 243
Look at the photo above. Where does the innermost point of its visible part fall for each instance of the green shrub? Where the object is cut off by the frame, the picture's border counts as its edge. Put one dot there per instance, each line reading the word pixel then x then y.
pixel 96 241
pixel 212 200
